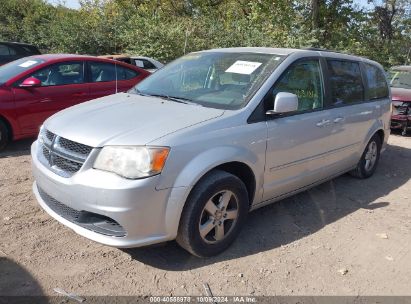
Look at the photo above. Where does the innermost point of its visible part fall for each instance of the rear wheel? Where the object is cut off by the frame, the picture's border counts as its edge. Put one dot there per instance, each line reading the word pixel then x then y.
pixel 215 211
pixel 369 159
pixel 4 135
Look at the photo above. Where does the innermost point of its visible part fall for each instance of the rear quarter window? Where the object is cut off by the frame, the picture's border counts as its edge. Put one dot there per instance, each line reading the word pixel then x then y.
pixel 103 72
pixel 377 84
pixel 124 73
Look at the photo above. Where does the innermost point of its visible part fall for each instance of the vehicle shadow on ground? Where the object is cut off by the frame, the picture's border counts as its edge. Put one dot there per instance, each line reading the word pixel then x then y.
pixel 16 281
pixel 17 148
pixel 295 217
pixel 397 132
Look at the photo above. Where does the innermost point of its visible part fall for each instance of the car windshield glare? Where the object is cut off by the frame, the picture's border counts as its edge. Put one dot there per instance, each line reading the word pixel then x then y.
pixel 14 68
pixel 400 79
pixel 212 79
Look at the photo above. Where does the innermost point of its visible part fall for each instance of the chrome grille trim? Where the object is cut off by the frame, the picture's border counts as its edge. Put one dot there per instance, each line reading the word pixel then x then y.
pixel 62 156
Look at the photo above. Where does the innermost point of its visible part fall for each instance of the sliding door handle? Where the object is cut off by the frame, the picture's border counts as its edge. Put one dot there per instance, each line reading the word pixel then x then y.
pixel 323 123
pixel 338 119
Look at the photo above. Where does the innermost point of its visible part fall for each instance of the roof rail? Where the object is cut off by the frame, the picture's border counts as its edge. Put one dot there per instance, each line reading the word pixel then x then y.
pixel 320 50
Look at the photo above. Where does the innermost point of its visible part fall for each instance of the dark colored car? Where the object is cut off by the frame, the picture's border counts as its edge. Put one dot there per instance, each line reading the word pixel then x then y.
pixel 34 88
pixel 10 51
pixel 400 81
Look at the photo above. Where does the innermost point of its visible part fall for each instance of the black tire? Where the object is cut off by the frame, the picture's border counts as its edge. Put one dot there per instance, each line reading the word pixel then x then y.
pixel 213 186
pixel 4 135
pixel 361 171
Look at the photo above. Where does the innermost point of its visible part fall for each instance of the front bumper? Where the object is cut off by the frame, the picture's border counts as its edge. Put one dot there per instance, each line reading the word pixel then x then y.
pixel 133 205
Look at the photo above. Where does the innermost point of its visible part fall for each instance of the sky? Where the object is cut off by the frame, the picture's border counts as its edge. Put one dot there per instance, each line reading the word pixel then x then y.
pixel 68 3
pixel 75 3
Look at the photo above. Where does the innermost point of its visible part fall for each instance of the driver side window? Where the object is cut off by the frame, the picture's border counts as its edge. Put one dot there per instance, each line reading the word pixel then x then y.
pixel 304 80
pixel 61 74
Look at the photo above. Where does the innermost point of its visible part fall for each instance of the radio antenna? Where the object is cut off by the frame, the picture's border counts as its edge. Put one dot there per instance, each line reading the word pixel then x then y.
pixel 115 71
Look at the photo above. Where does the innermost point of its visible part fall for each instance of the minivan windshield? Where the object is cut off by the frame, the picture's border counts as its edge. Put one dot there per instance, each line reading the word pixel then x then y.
pixel 14 68
pixel 400 79
pixel 212 79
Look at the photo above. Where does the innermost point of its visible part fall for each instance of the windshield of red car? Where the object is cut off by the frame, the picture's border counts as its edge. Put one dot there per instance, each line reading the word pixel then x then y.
pixel 17 67
pixel 400 79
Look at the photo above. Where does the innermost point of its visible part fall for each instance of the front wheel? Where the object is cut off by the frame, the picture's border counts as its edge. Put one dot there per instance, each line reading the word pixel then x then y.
pixel 369 159
pixel 215 211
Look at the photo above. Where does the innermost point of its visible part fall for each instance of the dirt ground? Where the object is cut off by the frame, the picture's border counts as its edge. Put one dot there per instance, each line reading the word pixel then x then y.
pixel 345 237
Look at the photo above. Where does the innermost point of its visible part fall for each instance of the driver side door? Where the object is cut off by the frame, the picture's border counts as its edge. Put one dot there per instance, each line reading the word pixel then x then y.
pixel 62 85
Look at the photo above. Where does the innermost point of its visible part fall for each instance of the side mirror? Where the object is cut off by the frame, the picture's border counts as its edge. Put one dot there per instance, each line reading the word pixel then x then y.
pixel 30 82
pixel 284 103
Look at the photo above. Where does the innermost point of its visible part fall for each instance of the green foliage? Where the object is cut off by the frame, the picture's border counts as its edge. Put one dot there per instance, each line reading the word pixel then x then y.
pixel 166 29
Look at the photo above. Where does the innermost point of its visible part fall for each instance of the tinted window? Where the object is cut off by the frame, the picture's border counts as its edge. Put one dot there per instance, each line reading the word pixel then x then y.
pixel 304 80
pixel 377 85
pixel 12 50
pixel 125 73
pixel 346 82
pixel 29 49
pixel 145 64
pixel 149 65
pixel 4 50
pixel 102 72
pixel 61 74
pixel 126 60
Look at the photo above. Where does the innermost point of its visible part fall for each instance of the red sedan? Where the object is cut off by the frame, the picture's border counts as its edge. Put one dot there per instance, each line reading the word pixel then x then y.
pixel 34 88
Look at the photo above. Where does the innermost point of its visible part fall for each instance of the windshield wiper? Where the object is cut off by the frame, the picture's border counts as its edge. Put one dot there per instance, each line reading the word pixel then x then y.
pixel 174 98
pixel 168 97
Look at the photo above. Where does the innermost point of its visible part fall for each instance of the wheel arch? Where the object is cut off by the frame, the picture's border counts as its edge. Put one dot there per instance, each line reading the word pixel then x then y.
pixel 377 128
pixel 381 135
pixel 8 126
pixel 235 161
pixel 243 172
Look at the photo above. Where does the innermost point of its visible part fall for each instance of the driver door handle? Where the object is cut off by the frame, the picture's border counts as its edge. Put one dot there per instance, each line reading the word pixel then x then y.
pixel 338 119
pixel 44 100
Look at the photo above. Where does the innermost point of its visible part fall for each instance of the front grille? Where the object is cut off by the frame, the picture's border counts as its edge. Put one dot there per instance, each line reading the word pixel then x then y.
pixel 88 220
pixel 64 211
pixel 74 147
pixel 49 136
pixel 66 164
pixel 61 155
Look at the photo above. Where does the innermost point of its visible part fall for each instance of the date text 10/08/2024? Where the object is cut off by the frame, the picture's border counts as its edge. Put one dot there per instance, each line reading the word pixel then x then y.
pixel 203 299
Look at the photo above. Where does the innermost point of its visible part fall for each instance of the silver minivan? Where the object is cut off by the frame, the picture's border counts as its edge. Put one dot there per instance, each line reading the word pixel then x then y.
pixel 189 151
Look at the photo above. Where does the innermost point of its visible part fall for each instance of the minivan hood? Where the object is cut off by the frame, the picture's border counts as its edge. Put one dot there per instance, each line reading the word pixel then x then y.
pixel 126 119
pixel 401 94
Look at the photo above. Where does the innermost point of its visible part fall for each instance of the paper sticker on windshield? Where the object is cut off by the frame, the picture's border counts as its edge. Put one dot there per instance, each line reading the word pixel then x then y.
pixel 243 67
pixel 27 63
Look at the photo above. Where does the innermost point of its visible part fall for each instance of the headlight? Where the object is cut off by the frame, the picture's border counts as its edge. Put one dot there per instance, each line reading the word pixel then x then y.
pixel 41 135
pixel 132 162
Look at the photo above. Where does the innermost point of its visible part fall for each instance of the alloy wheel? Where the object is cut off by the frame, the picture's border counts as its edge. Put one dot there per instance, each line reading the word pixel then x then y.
pixel 371 156
pixel 219 216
